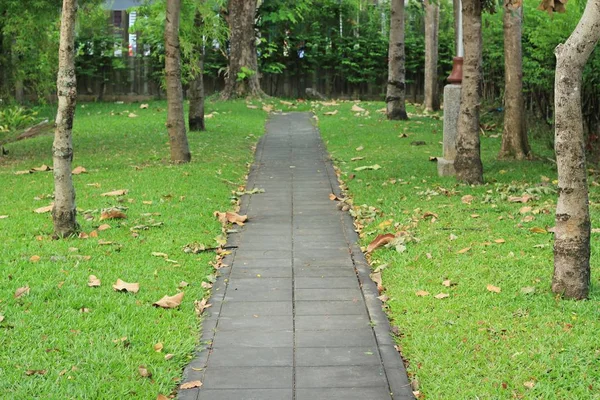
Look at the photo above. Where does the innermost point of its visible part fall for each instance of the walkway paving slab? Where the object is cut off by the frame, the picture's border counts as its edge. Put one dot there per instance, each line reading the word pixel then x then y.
pixel 296 315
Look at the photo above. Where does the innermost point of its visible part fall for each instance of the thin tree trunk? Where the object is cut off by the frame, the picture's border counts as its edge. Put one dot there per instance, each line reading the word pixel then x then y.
pixel 432 96
pixel 243 77
pixel 396 85
pixel 468 159
pixel 180 151
pixel 572 232
pixel 196 91
pixel 64 210
pixel 514 136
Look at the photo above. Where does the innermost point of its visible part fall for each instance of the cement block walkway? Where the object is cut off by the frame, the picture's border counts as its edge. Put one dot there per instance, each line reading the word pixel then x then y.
pixel 295 316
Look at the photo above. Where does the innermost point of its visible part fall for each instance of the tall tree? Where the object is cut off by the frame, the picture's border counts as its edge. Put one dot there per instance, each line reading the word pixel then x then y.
pixel 180 151
pixel 515 144
pixel 396 85
pixel 432 16
pixel 196 91
pixel 243 78
pixel 468 158
pixel 64 210
pixel 572 232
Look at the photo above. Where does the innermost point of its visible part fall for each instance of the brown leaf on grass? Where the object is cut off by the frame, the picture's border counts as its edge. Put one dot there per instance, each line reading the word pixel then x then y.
pixel 206 285
pixel 144 373
pixel 384 298
pixel 104 227
pixel 499 241
pixel 520 199
pixel 356 108
pixel 493 288
pixel 112 214
pixel 122 286
pixel 43 210
pixel 120 192
pixel 331 112
pixel 380 240
pixel 357 158
pixel 93 281
pixel 267 108
pixel 26 172
pixel 462 251
pixel 1 318
pixel 169 356
pixel 159 254
pixel 440 296
pixel 537 229
pixel 22 291
pixel 251 106
pixel 161 397
pixel 525 210
pixel 190 385
pixel 170 301
pixel 83 235
pixel 42 168
pixel 158 347
pixel 376 277
pixel 94 234
pixel 421 293
pixel 143 106
pixel 449 283
pixel 3 216
pixel 200 306
pixel 529 384
pixel 230 217
pixel 103 242
pixel 35 258
pixel 79 170
pixel 30 372
pixel 467 199
pixel 360 148
pixel 132 115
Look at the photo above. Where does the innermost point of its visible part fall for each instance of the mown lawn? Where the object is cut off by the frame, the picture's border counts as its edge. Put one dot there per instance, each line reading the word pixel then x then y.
pixel 523 342
pixel 65 340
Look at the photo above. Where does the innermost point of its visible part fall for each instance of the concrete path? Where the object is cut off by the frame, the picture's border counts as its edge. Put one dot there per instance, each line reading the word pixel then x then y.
pixel 295 316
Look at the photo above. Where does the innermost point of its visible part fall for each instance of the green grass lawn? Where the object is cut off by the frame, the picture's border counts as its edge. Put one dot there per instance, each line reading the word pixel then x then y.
pixel 65 340
pixel 522 342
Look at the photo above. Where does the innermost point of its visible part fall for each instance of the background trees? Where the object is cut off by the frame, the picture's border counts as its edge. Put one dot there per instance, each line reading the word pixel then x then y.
pixel 396 87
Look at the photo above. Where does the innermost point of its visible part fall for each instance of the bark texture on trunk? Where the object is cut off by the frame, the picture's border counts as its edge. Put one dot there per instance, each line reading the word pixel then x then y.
pixel 432 96
pixel 243 77
pixel 64 211
pixel 572 233
pixel 468 158
pixel 180 151
pixel 515 144
pixel 396 85
pixel 196 91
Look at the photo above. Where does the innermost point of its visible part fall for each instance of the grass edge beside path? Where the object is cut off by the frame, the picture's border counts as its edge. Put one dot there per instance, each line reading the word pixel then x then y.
pixel 469 283
pixel 63 339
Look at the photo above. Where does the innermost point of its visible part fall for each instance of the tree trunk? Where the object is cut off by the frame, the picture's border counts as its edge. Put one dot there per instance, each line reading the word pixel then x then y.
pixel 196 91
pixel 64 210
pixel 432 96
pixel 243 78
pixel 396 85
pixel 572 232
pixel 180 152
pixel 468 159
pixel 514 135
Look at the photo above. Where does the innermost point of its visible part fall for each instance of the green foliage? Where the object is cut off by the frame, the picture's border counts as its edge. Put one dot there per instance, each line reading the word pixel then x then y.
pixel 16 117
pixel 245 73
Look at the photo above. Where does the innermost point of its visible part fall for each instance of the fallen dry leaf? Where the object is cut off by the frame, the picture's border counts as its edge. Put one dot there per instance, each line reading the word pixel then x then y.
pixel 42 168
pixel 380 240
pixel 525 210
pixel 26 172
pixel 206 285
pixel 252 107
pixel 159 254
pixel 453 236
pixel 448 283
pixel 170 301
pixel 519 199
pixel 200 306
pixel 43 210
pixel 104 227
pixel 93 281
pixel 462 251
pixel 158 347
pixel 112 214
pixel 143 106
pixel 493 288
pixel 440 296
pixel 79 170
pixel 169 356
pixel 421 293
pixel 122 286
pixel 356 108
pixel 30 372
pixel 1 318
pixel 22 291
pixel 331 112
pixel 132 115
pixel 231 217
pixel 360 148
pixel 537 229
pixel 94 234
pixel 3 216
pixel 144 373
pixel 467 199
pixel 376 277
pixel 529 384
pixel 35 258
pixel 499 241
pixel 384 298
pixel 120 192
pixel 191 385
pixel 161 397
pixel 103 242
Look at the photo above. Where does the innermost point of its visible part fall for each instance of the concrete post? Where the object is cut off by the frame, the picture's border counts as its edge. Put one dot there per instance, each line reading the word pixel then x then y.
pixel 451 110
